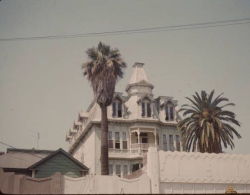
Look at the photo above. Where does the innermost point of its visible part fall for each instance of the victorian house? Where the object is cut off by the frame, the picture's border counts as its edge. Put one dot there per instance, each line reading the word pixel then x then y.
pixel 137 120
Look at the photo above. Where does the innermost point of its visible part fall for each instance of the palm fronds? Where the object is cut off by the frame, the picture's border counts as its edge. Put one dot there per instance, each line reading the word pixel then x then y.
pixel 207 126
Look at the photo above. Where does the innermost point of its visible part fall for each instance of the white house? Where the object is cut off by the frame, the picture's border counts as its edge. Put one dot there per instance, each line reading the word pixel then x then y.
pixel 137 121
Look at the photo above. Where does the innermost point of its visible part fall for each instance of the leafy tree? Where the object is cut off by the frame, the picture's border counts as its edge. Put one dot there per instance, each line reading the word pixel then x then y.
pixel 104 68
pixel 207 126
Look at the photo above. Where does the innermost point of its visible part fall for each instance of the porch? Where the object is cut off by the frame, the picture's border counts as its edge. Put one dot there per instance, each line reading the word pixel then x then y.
pixel 141 138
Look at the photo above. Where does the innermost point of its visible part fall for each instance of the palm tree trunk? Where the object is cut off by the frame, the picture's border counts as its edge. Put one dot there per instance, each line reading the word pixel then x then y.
pixel 104 142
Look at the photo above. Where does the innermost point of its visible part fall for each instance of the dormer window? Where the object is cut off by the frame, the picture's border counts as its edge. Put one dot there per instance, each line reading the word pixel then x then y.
pixel 169 109
pixel 146 108
pixel 117 108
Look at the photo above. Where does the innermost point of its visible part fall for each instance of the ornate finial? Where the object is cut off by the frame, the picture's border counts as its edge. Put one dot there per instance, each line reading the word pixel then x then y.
pixel 139 64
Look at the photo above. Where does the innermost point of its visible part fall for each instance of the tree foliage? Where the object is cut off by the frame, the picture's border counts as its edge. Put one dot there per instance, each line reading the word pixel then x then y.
pixel 207 126
pixel 104 68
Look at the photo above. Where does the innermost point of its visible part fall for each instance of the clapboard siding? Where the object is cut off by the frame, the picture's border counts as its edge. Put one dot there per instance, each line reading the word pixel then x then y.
pixel 58 163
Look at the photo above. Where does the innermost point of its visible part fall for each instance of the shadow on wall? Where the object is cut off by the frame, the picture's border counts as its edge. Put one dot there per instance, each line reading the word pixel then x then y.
pixel 20 184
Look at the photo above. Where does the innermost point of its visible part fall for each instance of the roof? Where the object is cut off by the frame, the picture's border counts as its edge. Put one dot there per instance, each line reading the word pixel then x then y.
pixel 60 150
pixel 139 74
pixel 33 150
pixel 22 158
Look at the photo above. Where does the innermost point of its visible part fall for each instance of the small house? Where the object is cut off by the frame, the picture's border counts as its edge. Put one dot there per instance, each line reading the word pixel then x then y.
pixel 58 161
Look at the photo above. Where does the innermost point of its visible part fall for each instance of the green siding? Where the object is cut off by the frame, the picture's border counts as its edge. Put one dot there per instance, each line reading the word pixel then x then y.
pixel 58 163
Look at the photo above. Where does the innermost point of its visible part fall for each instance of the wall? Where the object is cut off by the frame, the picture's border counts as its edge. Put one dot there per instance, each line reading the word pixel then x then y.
pixel 85 151
pixel 97 184
pixel 19 184
pixel 114 127
pixel 58 163
pixel 182 172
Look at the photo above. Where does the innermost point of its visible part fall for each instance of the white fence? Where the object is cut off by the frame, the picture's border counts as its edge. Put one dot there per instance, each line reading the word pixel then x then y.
pixel 97 184
pixel 173 172
pixel 189 172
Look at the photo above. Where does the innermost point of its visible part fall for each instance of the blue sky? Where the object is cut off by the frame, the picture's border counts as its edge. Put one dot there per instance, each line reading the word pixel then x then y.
pixel 41 84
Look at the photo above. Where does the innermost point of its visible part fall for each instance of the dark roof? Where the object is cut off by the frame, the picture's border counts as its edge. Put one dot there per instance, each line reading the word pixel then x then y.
pixel 60 150
pixel 33 150
pixel 22 158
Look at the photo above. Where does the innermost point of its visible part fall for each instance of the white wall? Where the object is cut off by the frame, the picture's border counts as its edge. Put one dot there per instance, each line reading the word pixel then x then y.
pixel 97 184
pixel 188 172
pixel 86 150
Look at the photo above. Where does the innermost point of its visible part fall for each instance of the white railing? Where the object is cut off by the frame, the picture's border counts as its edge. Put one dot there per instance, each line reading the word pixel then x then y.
pixel 120 151
pixel 137 149
pixel 142 146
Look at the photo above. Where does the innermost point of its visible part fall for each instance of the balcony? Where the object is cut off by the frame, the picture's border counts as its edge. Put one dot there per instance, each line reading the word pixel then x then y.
pixel 137 150
pixel 143 147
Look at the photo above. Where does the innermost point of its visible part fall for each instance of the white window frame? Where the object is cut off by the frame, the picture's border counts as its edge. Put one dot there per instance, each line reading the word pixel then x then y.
pixel 117 140
pixel 116 103
pixel 168 113
pixel 146 102
pixel 124 138
pixel 112 139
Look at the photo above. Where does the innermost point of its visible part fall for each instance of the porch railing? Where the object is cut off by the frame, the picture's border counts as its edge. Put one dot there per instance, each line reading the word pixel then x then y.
pixel 141 146
pixel 136 149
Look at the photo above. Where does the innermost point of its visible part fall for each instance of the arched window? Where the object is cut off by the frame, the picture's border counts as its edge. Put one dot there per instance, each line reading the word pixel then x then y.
pixel 117 108
pixel 169 110
pixel 146 108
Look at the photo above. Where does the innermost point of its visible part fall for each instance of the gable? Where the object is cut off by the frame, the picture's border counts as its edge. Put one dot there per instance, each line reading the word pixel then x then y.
pixel 58 163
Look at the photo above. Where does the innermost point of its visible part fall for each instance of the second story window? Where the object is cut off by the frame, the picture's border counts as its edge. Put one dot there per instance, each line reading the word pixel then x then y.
pixel 117 140
pixel 146 108
pixel 110 139
pixel 124 140
pixel 169 112
pixel 117 108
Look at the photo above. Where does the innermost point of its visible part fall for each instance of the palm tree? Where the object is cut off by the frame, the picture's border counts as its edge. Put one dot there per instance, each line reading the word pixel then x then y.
pixel 103 70
pixel 207 125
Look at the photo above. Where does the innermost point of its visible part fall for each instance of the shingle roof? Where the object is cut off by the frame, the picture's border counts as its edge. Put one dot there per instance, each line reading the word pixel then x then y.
pixel 22 158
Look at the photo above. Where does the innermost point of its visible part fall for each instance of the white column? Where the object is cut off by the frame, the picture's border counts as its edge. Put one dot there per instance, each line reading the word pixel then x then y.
pixel 153 169
pixel 130 141
pixel 155 134
pixel 139 144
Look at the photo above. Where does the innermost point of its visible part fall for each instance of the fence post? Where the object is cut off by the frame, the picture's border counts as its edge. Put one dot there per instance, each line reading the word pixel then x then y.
pixel 153 169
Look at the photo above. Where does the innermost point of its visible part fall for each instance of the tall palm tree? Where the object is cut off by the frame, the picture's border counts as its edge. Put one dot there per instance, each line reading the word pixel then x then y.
pixel 104 68
pixel 207 126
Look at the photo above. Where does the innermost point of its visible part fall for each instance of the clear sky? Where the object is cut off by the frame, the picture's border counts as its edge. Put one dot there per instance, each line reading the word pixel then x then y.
pixel 41 84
